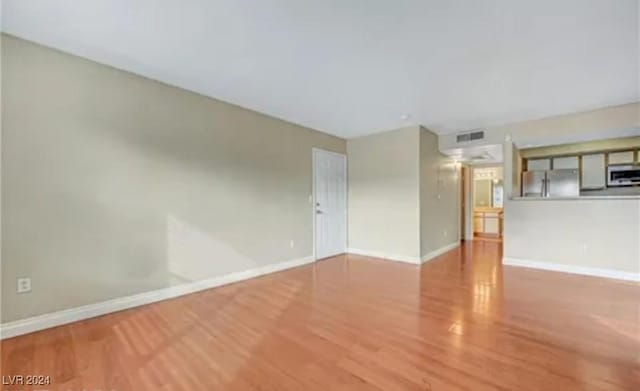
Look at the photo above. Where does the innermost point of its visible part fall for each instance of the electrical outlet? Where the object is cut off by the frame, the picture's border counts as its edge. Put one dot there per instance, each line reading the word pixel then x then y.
pixel 292 244
pixel 445 233
pixel 24 285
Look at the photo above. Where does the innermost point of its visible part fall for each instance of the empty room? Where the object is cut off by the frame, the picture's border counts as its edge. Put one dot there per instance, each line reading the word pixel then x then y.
pixel 425 195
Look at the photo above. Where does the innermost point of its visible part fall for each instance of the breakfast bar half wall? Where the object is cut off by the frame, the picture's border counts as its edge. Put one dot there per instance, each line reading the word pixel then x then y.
pixel 597 236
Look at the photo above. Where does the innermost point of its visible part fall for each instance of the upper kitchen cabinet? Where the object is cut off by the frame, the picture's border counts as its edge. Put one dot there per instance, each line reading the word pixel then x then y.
pixel 539 164
pixel 593 171
pixel 569 162
pixel 622 157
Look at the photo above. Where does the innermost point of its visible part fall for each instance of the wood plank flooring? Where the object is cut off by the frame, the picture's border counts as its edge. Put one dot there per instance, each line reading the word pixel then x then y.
pixel 460 322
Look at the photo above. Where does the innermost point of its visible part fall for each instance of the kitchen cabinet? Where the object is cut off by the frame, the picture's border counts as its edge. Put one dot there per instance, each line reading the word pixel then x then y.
pixel 538 164
pixel 621 157
pixel 560 163
pixel 593 171
pixel 478 223
pixel 488 222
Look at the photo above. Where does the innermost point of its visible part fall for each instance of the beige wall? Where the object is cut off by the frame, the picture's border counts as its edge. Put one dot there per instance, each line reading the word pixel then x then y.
pixel 439 196
pixel 599 233
pixel 384 214
pixel 516 178
pixel 403 195
pixel 604 123
pixel 1 168
pixel 616 121
pixel 113 184
pixel 584 233
pixel 511 169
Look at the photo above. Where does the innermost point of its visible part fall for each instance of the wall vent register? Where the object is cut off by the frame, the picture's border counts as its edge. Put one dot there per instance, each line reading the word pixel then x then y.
pixel 470 136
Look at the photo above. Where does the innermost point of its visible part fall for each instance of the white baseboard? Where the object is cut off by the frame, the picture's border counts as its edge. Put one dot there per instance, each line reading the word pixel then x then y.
pixel 386 256
pixel 440 251
pixel 587 271
pixel 405 258
pixel 41 322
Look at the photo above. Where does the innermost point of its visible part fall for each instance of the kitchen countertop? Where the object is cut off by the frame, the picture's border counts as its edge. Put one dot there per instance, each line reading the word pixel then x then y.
pixel 487 209
pixel 579 198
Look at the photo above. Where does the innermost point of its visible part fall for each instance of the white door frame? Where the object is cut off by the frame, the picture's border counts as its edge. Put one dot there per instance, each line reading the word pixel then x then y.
pixel 313 196
pixel 469 195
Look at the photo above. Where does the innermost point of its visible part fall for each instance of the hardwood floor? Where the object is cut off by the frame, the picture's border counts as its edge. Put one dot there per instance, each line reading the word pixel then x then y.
pixel 461 322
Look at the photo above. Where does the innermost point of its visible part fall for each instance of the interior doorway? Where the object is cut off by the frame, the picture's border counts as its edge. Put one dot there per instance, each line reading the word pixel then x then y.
pixel 463 201
pixel 487 202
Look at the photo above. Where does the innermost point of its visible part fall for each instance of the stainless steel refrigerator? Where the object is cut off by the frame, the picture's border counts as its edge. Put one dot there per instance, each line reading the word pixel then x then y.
pixel 551 183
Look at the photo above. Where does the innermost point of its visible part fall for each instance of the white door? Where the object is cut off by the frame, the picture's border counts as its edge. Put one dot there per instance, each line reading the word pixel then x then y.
pixel 330 203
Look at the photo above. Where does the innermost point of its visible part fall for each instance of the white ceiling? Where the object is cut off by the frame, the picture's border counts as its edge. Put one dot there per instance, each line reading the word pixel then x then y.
pixel 355 67
pixel 478 154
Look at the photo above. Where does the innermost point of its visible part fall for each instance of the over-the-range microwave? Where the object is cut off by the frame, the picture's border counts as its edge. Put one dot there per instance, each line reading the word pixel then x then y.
pixel 623 175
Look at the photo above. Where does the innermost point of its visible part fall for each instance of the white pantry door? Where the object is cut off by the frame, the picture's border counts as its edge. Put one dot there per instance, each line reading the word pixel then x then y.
pixel 330 198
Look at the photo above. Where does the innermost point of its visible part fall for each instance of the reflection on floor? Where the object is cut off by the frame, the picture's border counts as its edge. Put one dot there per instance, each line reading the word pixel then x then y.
pixel 460 322
pixel 488 239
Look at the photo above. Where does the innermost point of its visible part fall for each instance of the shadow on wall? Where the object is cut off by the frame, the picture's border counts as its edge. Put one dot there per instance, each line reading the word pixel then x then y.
pixel 96 203
pixel 115 185
pixel 194 255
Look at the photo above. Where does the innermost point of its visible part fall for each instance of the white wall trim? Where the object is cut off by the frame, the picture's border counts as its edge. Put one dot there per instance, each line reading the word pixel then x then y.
pixel 41 322
pixel 385 256
pixel 468 203
pixel 433 254
pixel 587 271
pixel 405 258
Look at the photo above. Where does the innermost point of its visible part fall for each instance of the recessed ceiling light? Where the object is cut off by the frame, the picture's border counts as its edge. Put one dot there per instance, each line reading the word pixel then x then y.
pixel 405 117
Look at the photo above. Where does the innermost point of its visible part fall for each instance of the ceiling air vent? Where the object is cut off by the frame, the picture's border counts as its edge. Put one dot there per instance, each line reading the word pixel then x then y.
pixel 470 136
